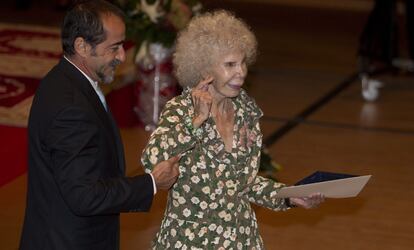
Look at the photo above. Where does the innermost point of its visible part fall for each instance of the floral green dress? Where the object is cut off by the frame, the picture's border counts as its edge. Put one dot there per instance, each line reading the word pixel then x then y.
pixel 209 206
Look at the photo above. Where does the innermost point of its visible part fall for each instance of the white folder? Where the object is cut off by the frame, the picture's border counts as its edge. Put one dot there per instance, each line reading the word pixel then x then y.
pixel 340 188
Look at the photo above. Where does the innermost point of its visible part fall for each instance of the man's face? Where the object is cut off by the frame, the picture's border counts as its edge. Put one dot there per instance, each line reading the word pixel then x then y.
pixel 104 58
pixel 229 73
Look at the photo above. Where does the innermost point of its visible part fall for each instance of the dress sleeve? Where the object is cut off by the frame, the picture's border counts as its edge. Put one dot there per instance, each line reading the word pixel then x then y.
pixel 173 136
pixel 263 191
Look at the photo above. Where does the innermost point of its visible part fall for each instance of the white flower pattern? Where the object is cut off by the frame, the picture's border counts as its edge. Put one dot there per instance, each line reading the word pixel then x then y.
pixel 209 206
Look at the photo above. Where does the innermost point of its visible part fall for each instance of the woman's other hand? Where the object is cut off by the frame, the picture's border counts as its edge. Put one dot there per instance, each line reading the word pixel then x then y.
pixel 202 101
pixel 308 202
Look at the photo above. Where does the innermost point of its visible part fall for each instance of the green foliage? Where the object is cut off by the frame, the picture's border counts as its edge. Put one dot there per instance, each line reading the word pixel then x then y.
pixel 268 167
pixel 157 20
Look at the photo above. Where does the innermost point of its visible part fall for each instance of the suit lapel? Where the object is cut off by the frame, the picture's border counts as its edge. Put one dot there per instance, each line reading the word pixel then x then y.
pixel 80 81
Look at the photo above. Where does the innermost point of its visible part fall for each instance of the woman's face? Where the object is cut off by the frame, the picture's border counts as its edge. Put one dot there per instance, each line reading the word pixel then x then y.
pixel 228 75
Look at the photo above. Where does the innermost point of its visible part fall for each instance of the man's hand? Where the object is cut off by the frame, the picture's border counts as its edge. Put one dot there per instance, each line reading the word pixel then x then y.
pixel 311 201
pixel 166 172
pixel 202 101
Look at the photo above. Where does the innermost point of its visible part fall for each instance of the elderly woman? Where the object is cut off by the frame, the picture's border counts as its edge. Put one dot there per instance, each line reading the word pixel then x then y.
pixel 214 126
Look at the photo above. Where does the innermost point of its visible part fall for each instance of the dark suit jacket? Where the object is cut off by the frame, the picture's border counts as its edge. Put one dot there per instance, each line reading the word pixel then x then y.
pixel 76 181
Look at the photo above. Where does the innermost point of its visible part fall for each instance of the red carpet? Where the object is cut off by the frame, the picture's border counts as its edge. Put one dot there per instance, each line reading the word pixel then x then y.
pixel 14 90
pixel 15 97
pixel 13 154
pixel 26 53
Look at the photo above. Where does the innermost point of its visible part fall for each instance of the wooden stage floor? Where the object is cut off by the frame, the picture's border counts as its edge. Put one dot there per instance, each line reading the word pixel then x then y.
pixel 304 55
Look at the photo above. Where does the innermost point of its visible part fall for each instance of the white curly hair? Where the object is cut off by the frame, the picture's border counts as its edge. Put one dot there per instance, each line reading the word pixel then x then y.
pixel 207 37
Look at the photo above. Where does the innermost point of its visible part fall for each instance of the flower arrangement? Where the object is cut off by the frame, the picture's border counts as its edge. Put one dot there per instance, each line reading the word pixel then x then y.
pixel 156 21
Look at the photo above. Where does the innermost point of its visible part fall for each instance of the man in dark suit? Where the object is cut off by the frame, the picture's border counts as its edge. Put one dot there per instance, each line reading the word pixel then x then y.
pixel 76 178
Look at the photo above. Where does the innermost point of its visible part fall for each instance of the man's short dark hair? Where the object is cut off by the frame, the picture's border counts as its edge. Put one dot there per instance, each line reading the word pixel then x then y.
pixel 85 20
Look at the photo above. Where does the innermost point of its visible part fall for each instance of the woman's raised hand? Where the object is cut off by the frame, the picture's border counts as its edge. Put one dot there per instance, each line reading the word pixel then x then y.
pixel 202 101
